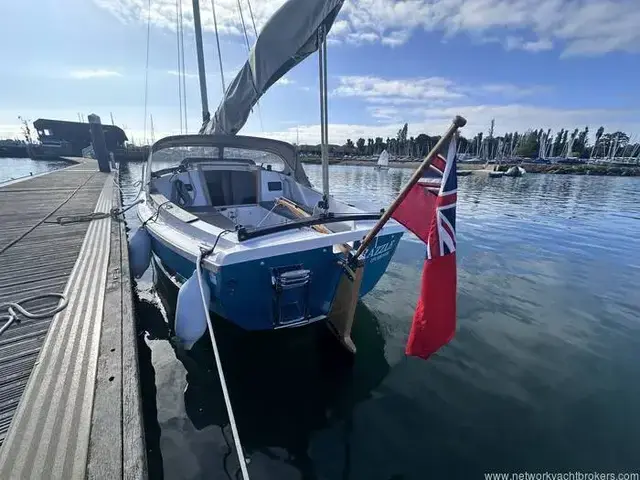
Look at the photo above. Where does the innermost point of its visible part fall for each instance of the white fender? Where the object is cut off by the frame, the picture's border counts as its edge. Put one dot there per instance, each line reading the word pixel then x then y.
pixel 140 252
pixel 191 318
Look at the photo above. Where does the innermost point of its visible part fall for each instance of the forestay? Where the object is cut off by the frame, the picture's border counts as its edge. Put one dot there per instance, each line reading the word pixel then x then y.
pixel 289 37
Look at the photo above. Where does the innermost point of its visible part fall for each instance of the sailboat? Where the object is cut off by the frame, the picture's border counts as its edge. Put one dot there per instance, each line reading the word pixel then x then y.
pixel 383 161
pixel 270 244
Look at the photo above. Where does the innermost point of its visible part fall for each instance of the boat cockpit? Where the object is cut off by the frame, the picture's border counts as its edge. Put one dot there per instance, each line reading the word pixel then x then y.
pixel 252 185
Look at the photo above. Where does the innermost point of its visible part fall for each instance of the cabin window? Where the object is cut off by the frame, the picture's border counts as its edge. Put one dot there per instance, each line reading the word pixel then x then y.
pixel 274 186
pixel 231 187
pixel 257 156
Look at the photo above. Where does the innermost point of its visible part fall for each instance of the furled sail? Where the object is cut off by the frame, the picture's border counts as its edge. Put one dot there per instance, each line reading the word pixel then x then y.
pixel 289 36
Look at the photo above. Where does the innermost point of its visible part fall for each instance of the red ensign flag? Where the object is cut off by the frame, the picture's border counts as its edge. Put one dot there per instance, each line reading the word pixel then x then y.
pixel 429 211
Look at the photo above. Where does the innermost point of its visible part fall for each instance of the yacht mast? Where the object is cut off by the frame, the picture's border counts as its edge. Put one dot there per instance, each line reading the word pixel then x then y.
pixel 201 72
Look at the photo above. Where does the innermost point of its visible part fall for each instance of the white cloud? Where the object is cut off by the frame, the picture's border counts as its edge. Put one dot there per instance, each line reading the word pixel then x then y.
pixel 510 90
pixel 360 38
pixel 583 26
pixel 429 91
pixel 93 73
pixel 518 43
pixel 284 81
pixel 538 45
pixel 577 27
pixel 386 114
pixel 414 89
pixel 396 38
pixel 175 73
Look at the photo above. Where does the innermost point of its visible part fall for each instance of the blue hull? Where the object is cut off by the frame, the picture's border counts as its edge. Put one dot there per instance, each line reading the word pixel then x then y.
pixel 244 293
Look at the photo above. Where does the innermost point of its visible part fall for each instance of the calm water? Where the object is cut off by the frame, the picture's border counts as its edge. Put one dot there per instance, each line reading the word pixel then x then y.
pixel 14 168
pixel 543 374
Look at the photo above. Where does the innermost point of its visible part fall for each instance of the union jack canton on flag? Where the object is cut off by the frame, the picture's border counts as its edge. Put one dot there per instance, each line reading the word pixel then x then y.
pixel 429 211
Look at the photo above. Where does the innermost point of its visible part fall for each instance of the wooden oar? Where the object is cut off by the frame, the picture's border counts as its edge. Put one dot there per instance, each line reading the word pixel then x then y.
pixel 299 212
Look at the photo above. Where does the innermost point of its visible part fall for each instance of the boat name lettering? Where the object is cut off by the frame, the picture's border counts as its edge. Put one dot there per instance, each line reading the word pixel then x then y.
pixel 379 251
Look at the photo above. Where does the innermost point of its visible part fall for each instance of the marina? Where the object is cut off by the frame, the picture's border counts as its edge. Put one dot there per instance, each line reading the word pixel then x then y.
pixel 534 293
pixel 543 306
pixel 191 299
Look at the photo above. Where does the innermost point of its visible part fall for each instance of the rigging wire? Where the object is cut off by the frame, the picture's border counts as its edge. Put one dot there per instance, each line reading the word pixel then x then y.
pixel 146 69
pixel 253 20
pixel 215 26
pixel 179 64
pixel 244 27
pixel 246 39
pixel 184 72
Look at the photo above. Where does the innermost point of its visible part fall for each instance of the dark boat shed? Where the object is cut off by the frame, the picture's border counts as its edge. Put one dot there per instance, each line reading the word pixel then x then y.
pixel 77 134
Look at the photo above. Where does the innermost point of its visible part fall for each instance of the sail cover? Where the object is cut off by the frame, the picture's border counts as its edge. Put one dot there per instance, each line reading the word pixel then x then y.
pixel 290 36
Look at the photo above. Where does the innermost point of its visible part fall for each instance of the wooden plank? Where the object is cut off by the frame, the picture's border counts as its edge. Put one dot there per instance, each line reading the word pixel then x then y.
pixel 69 386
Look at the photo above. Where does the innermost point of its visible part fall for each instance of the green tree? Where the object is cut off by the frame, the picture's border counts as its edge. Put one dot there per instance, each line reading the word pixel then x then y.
pixel 530 145
pixel 378 145
pixel 402 139
pixel 580 146
pixel 369 146
pixel 571 143
pixel 557 143
pixel 26 131
pixel 402 134
pixel 360 145
pixel 597 146
pixel 422 144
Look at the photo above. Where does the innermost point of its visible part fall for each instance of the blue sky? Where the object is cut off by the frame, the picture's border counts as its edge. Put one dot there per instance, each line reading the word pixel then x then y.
pixel 526 63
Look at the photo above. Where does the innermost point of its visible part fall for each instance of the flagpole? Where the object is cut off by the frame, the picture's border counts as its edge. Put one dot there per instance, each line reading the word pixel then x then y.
pixel 458 122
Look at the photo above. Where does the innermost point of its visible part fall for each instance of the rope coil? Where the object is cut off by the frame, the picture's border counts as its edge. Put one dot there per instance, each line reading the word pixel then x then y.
pixel 15 308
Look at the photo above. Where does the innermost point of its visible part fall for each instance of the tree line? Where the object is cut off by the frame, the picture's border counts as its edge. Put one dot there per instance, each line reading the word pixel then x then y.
pixel 533 143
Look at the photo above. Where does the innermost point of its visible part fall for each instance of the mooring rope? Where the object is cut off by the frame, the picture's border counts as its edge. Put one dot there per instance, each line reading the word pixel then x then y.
pixel 114 213
pixel 223 383
pixel 15 308
pixel 44 219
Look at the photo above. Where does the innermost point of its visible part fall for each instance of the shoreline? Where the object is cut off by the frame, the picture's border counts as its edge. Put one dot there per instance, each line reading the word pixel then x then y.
pixel 479 168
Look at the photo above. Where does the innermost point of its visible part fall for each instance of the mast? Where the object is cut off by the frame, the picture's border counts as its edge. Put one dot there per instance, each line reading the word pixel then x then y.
pixel 324 137
pixel 201 73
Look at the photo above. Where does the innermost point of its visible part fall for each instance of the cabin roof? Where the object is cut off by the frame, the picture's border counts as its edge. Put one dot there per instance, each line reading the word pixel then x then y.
pixel 63 128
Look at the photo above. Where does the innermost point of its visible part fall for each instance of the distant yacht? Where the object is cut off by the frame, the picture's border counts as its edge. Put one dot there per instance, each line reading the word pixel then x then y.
pixel 383 161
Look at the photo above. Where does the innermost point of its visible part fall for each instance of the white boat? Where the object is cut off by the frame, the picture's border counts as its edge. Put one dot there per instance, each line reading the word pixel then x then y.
pixel 273 244
pixel 383 161
pixel 515 171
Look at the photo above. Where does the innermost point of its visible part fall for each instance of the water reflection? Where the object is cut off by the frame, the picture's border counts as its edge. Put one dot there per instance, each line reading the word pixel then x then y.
pixel 285 386
pixel 14 168
pixel 542 374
